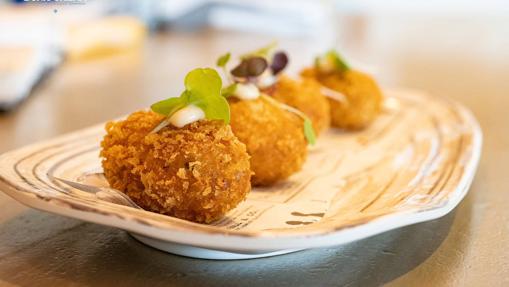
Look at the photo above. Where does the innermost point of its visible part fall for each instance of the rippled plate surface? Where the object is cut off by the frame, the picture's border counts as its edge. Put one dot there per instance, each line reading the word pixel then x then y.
pixel 415 163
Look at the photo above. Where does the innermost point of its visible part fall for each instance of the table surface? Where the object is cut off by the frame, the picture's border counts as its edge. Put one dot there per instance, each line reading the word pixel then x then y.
pixel 461 58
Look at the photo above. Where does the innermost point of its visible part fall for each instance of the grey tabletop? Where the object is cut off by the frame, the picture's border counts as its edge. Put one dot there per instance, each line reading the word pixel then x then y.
pixel 463 59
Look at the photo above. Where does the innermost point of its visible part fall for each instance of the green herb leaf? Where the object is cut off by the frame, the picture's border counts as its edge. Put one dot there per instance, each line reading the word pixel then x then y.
pixel 262 52
pixel 338 60
pixel 229 90
pixel 332 59
pixel 309 132
pixel 223 60
pixel 203 89
pixel 202 84
pixel 215 108
pixel 168 106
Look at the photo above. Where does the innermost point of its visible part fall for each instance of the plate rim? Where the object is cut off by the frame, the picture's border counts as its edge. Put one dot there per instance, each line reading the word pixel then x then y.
pixel 259 240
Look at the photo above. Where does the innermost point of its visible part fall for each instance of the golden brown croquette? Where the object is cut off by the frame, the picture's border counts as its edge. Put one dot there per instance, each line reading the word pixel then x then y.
pixel 306 96
pixel 274 139
pixel 198 172
pixel 363 97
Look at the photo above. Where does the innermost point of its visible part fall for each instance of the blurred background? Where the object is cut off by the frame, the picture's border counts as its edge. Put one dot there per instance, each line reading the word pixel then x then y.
pixel 86 61
pixel 69 64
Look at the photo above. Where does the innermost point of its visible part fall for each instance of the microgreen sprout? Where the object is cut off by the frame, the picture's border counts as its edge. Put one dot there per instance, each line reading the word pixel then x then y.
pixel 202 89
pixel 229 90
pixel 250 67
pixel 331 61
pixel 222 62
pixel 279 62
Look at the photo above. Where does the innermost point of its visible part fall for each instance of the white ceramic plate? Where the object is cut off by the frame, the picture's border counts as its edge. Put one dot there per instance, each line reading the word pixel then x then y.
pixel 415 163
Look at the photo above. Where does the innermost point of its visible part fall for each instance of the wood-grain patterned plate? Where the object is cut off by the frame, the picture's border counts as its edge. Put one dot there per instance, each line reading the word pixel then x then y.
pixel 415 163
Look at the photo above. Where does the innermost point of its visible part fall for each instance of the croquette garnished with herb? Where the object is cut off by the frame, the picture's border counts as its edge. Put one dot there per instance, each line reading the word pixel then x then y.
pixel 273 136
pixel 197 172
pixel 354 97
pixel 276 135
pixel 306 96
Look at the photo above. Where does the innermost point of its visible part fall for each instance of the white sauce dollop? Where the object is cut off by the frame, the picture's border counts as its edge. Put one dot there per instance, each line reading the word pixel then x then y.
pixel 266 79
pixel 333 94
pixel 246 91
pixel 186 116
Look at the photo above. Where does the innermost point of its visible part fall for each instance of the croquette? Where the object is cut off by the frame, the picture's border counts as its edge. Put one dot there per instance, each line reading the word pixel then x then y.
pixel 274 139
pixel 197 173
pixel 306 96
pixel 363 98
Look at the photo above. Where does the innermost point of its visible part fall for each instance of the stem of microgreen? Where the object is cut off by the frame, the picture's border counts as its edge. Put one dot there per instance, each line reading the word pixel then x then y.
pixel 161 125
pixel 308 129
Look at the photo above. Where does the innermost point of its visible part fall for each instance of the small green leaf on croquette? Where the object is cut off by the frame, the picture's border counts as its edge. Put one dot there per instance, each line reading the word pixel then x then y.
pixel 309 132
pixel 331 60
pixel 229 90
pixel 203 89
pixel 223 60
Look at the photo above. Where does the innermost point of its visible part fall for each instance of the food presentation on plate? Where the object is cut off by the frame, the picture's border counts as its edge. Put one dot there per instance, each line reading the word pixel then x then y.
pixel 276 135
pixel 249 161
pixel 181 158
pixel 188 157
pixel 354 97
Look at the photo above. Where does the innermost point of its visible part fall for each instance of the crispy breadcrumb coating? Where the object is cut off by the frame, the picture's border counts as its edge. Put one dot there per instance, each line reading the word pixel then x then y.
pixel 274 139
pixel 363 97
pixel 198 172
pixel 304 95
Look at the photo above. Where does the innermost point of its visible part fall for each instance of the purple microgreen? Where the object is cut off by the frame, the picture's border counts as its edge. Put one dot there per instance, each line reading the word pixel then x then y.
pixel 250 67
pixel 331 60
pixel 279 62
pixel 256 66
pixel 252 80
pixel 240 70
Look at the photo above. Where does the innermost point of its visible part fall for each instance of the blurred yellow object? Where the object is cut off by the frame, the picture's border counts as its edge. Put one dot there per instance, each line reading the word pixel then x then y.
pixel 104 37
pixel 14 59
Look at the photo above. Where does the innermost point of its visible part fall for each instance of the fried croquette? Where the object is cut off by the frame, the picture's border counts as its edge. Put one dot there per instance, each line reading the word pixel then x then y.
pixel 304 95
pixel 198 172
pixel 273 136
pixel 363 97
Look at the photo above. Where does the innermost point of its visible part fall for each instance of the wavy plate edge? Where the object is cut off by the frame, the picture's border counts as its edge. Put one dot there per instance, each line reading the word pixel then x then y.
pixel 263 241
